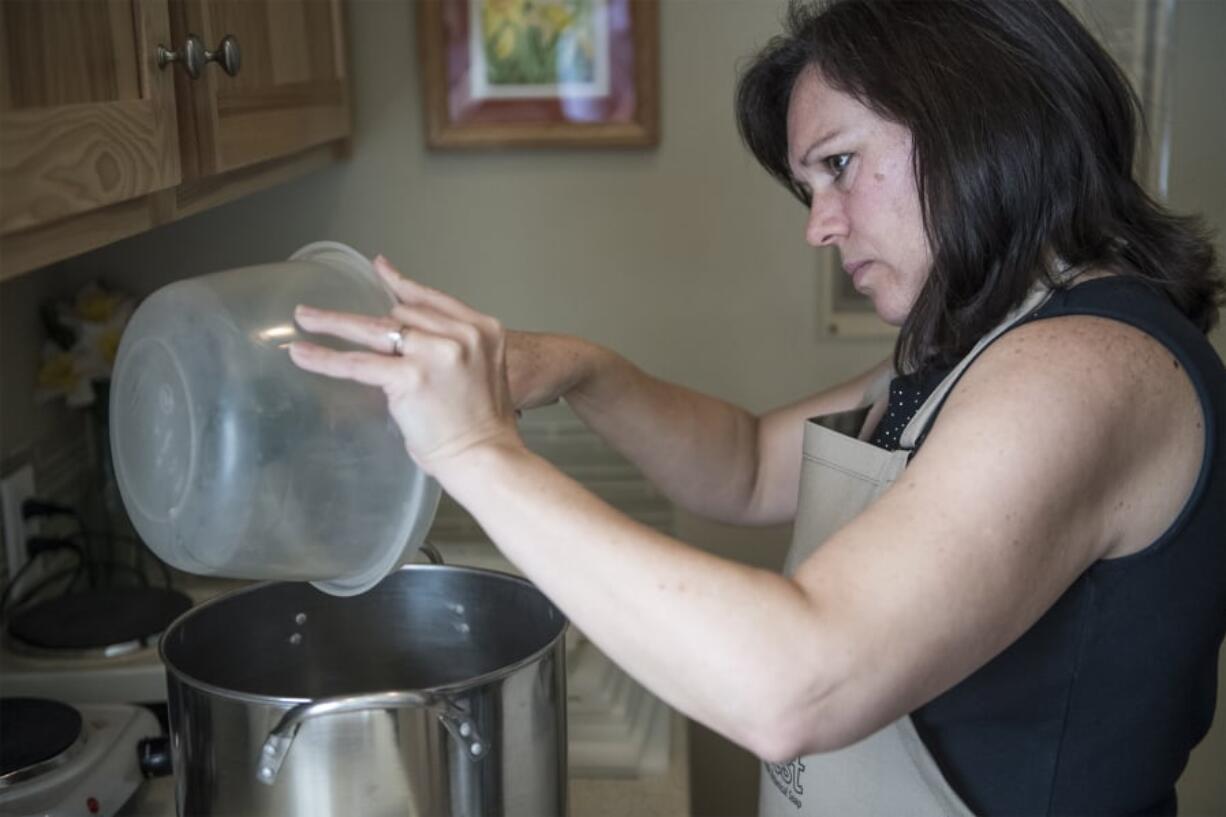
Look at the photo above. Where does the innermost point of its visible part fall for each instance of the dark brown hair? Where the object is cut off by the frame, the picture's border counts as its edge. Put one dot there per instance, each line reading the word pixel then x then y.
pixel 1024 133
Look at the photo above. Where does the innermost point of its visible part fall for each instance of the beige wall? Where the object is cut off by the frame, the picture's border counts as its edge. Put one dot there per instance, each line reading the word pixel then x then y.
pixel 1198 132
pixel 1198 184
pixel 686 258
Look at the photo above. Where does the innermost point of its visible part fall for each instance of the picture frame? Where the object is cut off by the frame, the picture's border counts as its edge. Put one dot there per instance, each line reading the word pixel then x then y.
pixel 1137 34
pixel 539 73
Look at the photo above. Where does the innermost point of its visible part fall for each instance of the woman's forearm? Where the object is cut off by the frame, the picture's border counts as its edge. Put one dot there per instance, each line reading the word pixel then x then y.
pixel 701 452
pixel 708 456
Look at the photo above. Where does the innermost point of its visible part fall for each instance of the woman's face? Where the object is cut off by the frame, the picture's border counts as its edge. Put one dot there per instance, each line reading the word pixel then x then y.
pixel 865 202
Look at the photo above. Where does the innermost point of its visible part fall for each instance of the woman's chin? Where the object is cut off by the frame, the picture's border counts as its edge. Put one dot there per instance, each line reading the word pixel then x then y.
pixel 889 313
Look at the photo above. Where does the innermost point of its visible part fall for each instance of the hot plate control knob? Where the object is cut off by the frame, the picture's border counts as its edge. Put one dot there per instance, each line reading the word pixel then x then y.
pixel 155 757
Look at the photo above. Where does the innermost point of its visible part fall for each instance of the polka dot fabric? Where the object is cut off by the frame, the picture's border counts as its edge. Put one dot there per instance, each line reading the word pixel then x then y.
pixel 907 394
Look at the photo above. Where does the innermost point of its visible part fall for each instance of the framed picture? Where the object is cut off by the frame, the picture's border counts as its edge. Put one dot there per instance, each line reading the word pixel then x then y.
pixel 1137 34
pixel 539 73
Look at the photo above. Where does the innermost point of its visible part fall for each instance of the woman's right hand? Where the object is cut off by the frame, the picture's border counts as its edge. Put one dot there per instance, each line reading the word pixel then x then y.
pixel 543 368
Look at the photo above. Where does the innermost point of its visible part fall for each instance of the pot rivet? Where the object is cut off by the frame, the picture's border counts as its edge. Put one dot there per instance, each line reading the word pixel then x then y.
pixel 300 619
pixel 476 749
pixel 295 639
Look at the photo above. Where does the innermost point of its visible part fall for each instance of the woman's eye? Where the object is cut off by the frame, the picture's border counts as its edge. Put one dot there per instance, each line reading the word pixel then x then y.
pixel 838 163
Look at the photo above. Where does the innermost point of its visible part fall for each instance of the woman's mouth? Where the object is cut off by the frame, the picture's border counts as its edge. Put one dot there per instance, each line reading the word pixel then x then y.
pixel 855 269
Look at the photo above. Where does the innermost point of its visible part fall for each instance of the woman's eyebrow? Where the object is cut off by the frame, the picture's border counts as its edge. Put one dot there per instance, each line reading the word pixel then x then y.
pixel 809 156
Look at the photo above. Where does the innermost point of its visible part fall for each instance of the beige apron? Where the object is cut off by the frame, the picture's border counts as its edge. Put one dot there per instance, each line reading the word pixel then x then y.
pixel 890 772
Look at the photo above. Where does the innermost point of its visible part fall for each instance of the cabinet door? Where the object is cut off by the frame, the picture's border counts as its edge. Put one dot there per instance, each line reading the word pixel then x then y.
pixel 86 117
pixel 290 93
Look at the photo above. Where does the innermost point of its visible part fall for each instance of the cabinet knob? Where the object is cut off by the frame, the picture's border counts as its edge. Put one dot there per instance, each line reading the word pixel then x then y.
pixel 195 56
pixel 227 55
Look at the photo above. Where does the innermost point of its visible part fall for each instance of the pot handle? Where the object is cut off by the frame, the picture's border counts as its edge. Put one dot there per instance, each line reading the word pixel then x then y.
pixel 431 552
pixel 281 738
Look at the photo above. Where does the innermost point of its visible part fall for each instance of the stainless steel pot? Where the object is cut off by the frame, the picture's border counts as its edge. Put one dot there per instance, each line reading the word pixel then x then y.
pixel 442 690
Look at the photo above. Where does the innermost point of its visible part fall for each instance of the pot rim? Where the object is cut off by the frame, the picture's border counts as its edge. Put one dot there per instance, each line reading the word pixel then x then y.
pixel 286 701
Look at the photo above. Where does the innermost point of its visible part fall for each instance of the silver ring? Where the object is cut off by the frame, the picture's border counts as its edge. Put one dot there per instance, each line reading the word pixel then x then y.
pixel 396 336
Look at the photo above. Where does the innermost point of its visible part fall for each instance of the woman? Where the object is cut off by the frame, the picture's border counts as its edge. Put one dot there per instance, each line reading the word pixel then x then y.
pixel 1024 620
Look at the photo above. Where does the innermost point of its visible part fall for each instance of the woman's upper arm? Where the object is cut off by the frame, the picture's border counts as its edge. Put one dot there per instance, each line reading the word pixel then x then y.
pixel 1016 491
pixel 780 440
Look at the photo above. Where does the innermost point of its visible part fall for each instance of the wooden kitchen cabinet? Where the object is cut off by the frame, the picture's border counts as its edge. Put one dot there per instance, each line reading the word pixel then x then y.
pixel 97 142
pixel 85 119
pixel 290 93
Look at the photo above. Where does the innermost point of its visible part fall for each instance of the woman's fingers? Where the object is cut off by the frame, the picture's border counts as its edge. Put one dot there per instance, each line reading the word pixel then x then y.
pixel 409 330
pixel 422 351
pixel 374 333
pixel 412 293
pixel 419 307
pixel 445 384
pixel 363 367
pixel 429 320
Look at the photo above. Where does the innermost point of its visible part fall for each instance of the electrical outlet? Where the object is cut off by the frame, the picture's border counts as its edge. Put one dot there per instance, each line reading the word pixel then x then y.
pixel 15 489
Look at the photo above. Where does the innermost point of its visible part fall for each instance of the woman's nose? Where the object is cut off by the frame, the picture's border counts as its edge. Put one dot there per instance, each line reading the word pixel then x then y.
pixel 827 222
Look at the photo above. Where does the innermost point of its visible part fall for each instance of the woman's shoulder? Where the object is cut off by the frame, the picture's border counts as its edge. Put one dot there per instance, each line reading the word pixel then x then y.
pixel 1124 296
pixel 1092 387
pixel 1122 314
pixel 1099 332
pixel 1082 351
pixel 1078 353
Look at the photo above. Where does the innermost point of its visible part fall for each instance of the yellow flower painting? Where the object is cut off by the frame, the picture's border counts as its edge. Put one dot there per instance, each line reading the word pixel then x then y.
pixel 537 43
pixel 83 337
pixel 540 73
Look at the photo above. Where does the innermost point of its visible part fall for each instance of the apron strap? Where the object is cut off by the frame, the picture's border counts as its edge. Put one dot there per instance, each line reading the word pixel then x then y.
pixel 918 426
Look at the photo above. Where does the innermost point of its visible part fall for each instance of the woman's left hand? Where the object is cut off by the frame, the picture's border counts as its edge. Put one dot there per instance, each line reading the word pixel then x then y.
pixel 445 379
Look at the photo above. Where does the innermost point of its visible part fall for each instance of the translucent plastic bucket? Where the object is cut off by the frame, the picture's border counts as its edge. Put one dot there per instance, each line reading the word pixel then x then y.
pixel 231 461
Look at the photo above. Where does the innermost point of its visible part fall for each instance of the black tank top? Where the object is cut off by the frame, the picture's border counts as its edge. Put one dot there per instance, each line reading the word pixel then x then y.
pixel 1095 708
